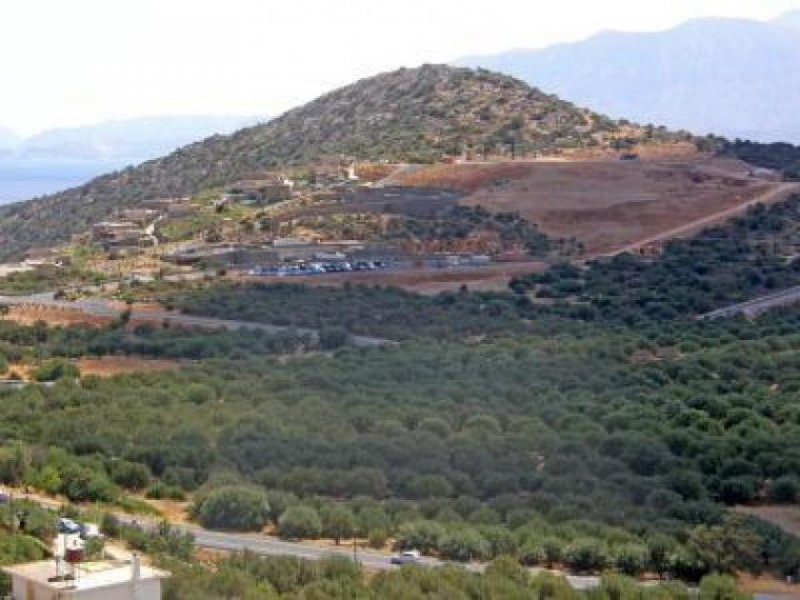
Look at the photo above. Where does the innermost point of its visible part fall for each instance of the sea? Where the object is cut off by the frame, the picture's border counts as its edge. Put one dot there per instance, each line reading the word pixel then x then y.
pixel 23 179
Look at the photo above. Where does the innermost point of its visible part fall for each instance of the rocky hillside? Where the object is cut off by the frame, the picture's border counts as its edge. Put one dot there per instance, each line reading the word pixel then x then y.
pixel 421 114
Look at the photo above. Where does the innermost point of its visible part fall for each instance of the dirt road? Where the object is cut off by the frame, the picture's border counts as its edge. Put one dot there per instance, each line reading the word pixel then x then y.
pixel 102 308
pixel 777 194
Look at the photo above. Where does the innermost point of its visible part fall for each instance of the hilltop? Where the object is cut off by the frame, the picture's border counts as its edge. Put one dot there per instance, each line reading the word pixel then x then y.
pixel 409 115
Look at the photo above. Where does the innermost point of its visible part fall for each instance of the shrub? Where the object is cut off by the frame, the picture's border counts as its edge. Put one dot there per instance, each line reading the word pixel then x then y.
pixel 586 555
pixel 53 370
pixel 81 484
pixel 331 338
pixel 784 490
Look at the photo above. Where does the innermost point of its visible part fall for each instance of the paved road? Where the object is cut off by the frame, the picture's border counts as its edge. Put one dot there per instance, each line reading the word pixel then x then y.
pixel 264 545
pixel 757 306
pixel 102 308
pixel 776 194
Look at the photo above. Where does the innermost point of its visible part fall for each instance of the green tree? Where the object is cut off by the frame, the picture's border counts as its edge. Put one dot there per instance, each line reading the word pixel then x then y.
pixel 419 535
pixel 338 522
pixel 726 547
pixel 720 587
pixel 630 559
pixel 238 508
pixel 659 551
pixel 464 545
pixel 300 522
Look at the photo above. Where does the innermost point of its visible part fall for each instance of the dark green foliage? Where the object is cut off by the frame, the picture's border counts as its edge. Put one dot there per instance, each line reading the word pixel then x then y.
pixel 130 475
pixel 750 256
pixel 386 312
pixel 779 156
pixel 460 222
pixel 17 341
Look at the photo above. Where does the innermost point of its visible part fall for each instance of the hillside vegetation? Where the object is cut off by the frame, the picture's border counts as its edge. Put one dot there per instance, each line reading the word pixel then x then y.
pixel 410 115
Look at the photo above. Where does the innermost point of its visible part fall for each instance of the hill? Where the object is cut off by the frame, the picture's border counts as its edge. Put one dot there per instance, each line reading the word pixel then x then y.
pixel 409 115
pixel 727 76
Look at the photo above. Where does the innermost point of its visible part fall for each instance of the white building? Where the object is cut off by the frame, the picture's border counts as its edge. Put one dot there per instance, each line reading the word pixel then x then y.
pixel 104 580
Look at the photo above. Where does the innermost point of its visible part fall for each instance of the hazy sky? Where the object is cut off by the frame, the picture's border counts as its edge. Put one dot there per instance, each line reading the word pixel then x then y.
pixel 72 62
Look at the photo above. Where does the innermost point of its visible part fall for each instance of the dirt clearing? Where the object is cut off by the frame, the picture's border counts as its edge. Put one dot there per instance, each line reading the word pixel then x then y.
pixel 494 277
pixel 607 205
pixel 54 316
pixel 117 365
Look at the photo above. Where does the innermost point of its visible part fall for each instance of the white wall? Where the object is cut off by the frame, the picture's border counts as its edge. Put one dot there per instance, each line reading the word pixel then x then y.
pixel 149 589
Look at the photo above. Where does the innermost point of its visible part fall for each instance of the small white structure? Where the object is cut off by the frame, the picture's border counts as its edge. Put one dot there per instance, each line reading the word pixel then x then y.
pixel 104 580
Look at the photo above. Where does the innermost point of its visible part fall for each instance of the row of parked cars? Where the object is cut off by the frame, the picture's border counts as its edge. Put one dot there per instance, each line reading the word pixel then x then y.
pixel 86 531
pixel 320 268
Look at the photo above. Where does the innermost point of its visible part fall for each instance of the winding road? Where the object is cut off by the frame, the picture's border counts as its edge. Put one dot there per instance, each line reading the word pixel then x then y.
pixel 104 309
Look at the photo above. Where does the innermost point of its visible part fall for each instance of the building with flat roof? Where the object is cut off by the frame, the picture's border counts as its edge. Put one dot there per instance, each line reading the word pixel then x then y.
pixel 102 580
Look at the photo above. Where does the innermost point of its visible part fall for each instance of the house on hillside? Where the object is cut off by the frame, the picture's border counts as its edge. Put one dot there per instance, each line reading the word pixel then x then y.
pixel 103 580
pixel 261 191
pixel 121 234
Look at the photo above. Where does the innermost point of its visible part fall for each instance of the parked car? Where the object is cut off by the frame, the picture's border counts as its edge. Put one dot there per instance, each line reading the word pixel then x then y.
pixel 91 531
pixel 66 525
pixel 408 557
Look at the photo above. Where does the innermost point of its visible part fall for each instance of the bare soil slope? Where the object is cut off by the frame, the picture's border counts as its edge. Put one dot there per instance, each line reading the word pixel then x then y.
pixel 607 205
